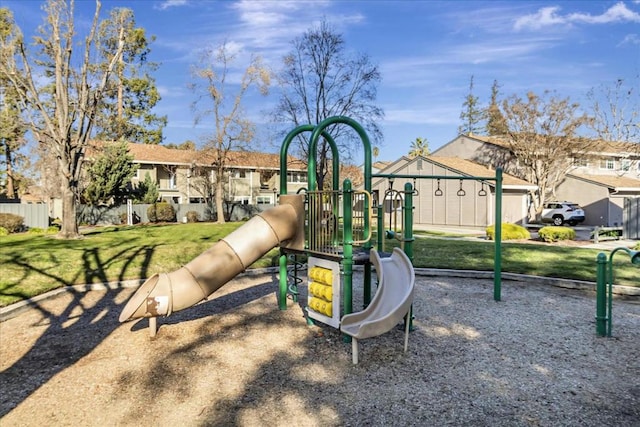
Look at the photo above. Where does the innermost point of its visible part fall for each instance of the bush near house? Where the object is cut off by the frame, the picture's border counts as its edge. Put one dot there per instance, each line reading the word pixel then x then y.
pixel 192 216
pixel 161 212
pixel 555 234
pixel 509 232
pixel 11 222
pixel 3 231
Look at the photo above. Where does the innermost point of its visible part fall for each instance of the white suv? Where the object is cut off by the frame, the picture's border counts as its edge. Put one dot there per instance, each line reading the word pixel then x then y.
pixel 560 212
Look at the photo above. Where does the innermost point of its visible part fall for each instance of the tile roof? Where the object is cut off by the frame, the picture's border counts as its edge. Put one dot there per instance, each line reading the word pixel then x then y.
pixel 462 167
pixel 158 154
pixel 604 146
pixel 610 181
pixel 467 167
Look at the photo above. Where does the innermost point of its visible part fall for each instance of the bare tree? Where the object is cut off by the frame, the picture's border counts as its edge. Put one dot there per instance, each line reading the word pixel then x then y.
pixel 64 108
pixel 320 80
pixel 231 130
pixel 543 139
pixel 616 116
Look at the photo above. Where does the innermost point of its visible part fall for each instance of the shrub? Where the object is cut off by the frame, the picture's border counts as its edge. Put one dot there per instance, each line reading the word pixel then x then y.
pixel 3 231
pixel 11 222
pixel 193 216
pixel 161 212
pixel 555 234
pixel 53 229
pixel 509 232
pixel 35 230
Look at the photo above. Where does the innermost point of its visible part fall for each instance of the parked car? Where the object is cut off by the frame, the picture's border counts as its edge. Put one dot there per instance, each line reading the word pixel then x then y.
pixel 559 213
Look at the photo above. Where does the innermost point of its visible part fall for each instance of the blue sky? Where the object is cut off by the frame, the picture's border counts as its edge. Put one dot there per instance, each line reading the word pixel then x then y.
pixel 426 51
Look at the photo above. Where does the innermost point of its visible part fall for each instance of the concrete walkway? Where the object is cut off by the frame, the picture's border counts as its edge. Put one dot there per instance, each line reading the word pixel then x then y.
pixel 583 233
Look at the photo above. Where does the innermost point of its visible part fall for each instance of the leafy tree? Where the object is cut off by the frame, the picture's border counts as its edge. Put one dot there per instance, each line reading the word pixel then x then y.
pixel 471 114
pixel 616 112
pixel 496 124
pixel 110 174
pixel 419 147
pixel 63 97
pixel 148 190
pixel 12 127
pixel 231 130
pixel 319 80
pixel 187 145
pixel 543 138
pixel 131 95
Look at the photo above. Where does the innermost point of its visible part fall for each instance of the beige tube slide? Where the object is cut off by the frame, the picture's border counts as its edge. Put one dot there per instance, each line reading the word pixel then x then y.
pixel 165 293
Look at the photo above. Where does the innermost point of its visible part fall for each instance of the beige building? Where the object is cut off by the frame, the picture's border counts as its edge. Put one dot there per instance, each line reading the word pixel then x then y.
pixel 185 176
pixel 599 183
pixel 452 202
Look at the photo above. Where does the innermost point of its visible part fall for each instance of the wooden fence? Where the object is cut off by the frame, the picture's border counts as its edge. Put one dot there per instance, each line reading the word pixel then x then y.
pixel 37 215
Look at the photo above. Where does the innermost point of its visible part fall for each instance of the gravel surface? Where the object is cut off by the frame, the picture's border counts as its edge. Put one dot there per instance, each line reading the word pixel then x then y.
pixel 532 359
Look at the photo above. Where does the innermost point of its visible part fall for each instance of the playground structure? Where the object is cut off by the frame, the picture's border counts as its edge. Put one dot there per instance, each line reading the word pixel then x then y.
pixel 329 230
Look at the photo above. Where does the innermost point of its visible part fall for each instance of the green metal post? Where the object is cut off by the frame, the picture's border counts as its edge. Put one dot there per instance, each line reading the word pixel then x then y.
pixel 348 249
pixel 408 233
pixel 284 149
pixel 380 221
pixel 408 220
pixel 601 295
pixel 497 264
pixel 604 301
pixel 282 291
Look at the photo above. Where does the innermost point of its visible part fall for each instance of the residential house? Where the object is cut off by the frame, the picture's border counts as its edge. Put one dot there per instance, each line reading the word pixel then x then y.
pixel 598 182
pixel 452 202
pixel 185 176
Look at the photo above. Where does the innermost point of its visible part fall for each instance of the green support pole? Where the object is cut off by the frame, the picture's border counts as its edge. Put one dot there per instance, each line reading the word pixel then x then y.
pixel 347 250
pixel 284 149
pixel 380 221
pixel 601 295
pixel 408 221
pixel 282 291
pixel 497 264
pixel 408 233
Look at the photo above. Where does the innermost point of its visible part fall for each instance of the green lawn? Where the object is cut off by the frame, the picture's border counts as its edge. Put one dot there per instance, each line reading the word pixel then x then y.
pixel 33 264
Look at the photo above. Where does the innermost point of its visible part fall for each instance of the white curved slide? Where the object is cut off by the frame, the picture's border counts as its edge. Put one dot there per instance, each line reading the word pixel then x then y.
pixel 391 303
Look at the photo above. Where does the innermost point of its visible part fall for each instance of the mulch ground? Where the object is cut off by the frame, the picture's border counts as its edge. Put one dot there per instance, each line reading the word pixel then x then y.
pixel 532 359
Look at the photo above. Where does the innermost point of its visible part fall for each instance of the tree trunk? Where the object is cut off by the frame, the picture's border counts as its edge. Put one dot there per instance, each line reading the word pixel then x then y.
pixel 11 189
pixel 69 228
pixel 219 199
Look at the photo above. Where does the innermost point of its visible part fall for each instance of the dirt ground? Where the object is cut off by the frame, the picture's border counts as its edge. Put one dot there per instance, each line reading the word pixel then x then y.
pixel 532 359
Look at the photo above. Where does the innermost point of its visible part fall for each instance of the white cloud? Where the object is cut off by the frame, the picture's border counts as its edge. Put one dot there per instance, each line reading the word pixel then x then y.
pixel 545 17
pixel 630 39
pixel 616 13
pixel 549 16
pixel 171 3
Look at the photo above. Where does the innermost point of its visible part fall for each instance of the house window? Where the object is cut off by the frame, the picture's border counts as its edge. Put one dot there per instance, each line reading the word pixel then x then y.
pixel 243 200
pixel 264 200
pixel 296 177
pixel 240 174
pixel 173 180
pixel 608 164
pixel 580 163
pixel 419 164
pixel 625 164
